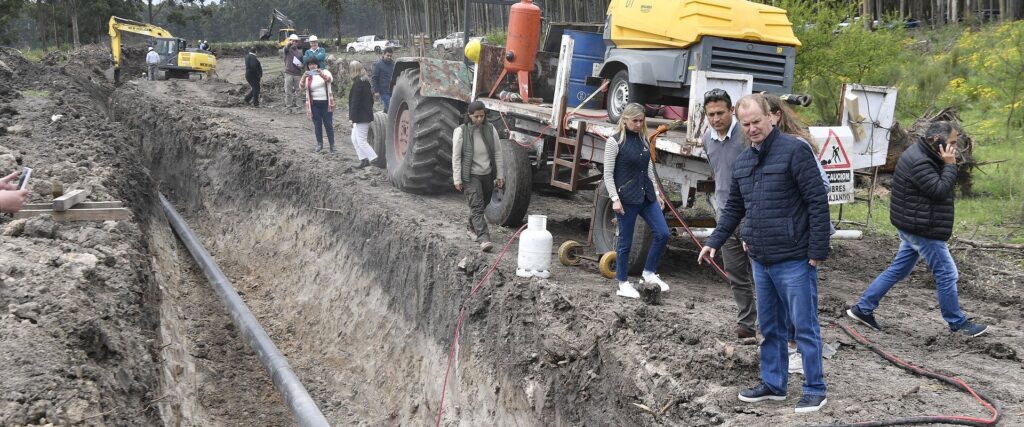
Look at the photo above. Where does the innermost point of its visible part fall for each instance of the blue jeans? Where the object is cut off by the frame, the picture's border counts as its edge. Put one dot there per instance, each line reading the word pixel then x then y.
pixel 789 287
pixel 936 254
pixel 322 118
pixel 386 99
pixel 627 222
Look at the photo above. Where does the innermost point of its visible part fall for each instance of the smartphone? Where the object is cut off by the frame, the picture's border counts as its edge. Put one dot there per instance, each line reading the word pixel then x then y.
pixel 23 181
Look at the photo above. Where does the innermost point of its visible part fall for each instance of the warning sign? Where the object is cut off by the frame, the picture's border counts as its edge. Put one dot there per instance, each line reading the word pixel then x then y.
pixel 833 153
pixel 835 161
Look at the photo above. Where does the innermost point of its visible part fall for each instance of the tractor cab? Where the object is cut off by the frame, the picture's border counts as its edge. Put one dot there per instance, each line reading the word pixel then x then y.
pixel 177 60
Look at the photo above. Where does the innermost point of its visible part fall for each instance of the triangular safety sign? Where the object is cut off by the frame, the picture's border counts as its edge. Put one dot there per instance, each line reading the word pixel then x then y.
pixel 833 154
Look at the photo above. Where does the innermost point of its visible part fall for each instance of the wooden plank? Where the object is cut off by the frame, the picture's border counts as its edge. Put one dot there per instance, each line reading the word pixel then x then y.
pixel 83 205
pixel 102 214
pixel 70 199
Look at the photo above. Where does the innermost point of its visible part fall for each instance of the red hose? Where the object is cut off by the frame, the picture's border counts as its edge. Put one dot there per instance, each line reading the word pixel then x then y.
pixel 990 404
pixel 462 314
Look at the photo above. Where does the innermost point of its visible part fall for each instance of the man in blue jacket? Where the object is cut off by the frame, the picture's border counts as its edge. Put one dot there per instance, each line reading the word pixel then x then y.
pixel 383 70
pixel 922 211
pixel 777 187
pixel 315 51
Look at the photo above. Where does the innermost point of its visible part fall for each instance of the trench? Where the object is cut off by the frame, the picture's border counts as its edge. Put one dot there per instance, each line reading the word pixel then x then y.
pixel 360 303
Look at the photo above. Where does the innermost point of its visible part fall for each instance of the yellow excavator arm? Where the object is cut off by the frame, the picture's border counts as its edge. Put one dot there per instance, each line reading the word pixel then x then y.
pixel 117 25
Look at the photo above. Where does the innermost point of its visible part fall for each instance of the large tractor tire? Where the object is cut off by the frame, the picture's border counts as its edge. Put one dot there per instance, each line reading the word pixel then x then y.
pixel 377 137
pixel 606 233
pixel 508 206
pixel 419 137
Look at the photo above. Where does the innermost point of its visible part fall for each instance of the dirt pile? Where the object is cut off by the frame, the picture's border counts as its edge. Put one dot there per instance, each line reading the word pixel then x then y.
pixel 77 327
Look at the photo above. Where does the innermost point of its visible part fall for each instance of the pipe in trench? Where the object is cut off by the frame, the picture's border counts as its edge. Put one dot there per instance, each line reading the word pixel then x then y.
pixel 287 383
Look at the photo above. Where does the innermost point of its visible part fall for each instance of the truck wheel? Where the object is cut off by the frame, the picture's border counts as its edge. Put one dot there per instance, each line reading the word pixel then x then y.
pixel 351 50
pixel 620 93
pixel 507 207
pixel 377 137
pixel 419 137
pixel 377 50
pixel 606 232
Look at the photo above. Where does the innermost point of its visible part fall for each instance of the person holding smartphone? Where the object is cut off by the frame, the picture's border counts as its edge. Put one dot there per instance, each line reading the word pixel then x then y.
pixel 12 199
pixel 319 102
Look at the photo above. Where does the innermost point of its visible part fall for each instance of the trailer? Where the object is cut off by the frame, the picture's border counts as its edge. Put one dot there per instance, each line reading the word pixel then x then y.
pixel 544 142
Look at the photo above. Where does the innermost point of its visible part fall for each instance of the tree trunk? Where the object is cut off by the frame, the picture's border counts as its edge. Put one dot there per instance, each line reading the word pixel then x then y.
pixel 903 10
pixel 73 10
pixel 868 13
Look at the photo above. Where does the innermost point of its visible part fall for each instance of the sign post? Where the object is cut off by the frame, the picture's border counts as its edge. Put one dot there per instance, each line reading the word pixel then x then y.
pixel 836 161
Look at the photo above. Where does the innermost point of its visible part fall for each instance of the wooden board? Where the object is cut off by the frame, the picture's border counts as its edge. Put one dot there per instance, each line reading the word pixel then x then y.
pixel 83 205
pixel 101 214
pixel 70 199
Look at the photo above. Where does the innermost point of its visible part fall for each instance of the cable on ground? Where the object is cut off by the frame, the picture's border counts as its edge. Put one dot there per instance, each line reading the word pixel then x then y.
pixel 987 402
pixel 462 314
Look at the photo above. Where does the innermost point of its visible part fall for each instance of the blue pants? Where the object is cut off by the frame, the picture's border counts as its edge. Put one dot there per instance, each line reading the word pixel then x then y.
pixel 936 254
pixel 386 99
pixel 322 118
pixel 789 287
pixel 627 222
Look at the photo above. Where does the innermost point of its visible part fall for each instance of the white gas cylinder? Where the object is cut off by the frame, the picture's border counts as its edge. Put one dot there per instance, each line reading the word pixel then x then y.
pixel 535 248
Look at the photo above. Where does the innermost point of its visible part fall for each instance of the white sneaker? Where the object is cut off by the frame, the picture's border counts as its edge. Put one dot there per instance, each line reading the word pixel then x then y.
pixel 796 363
pixel 654 278
pixel 626 290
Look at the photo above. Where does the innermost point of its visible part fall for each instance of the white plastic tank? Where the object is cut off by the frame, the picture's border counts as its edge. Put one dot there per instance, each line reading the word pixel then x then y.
pixel 535 248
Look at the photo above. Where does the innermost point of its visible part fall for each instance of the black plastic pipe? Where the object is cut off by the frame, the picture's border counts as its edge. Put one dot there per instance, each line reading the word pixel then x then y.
pixel 287 383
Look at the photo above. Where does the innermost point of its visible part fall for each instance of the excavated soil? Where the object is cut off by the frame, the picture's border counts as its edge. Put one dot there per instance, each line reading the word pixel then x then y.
pixel 360 285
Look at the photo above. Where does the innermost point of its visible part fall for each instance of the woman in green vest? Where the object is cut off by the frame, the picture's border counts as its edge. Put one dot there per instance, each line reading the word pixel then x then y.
pixel 476 162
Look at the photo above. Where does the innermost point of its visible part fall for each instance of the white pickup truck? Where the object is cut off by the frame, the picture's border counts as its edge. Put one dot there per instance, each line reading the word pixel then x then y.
pixel 452 41
pixel 371 43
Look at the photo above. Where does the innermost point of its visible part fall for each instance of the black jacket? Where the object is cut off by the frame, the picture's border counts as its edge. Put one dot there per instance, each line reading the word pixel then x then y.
pixel 253 68
pixel 360 102
pixel 922 193
pixel 778 189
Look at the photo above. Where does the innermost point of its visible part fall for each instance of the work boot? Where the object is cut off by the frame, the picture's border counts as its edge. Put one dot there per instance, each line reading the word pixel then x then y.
pixel 363 163
pixel 743 332
pixel 486 246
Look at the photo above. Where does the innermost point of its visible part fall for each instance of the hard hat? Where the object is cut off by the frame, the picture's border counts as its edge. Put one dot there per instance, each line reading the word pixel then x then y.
pixel 313 38
pixel 150 48
pixel 472 50
pixel 293 37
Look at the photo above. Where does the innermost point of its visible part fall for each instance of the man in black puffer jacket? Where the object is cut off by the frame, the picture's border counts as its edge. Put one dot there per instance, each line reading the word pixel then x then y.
pixel 922 211
pixel 777 187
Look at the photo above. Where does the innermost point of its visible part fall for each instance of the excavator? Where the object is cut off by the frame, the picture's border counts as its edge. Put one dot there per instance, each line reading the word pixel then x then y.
pixel 288 28
pixel 177 60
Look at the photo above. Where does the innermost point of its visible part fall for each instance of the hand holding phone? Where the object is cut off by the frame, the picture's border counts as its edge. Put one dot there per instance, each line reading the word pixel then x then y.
pixel 23 181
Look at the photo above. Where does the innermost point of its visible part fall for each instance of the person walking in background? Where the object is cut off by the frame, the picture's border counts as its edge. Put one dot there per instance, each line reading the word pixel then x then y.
pixel 253 75
pixel 315 51
pixel 476 161
pixel 630 181
pixel 152 62
pixel 383 71
pixel 777 189
pixel 360 113
pixel 319 102
pixel 922 212
pixel 292 72
pixel 723 142
pixel 11 198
